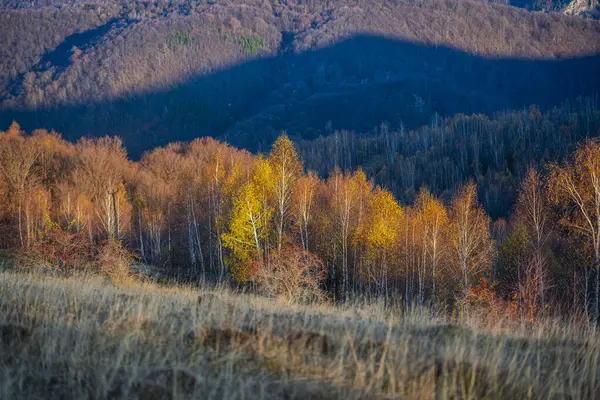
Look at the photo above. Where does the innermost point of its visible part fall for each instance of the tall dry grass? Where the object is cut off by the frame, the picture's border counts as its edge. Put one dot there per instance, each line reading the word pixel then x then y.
pixel 82 337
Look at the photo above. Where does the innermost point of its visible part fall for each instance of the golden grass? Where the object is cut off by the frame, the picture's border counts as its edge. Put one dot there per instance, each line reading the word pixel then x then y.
pixel 82 337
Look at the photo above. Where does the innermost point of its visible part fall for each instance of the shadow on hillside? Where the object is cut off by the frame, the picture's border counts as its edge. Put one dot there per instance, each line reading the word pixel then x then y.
pixel 61 56
pixel 355 84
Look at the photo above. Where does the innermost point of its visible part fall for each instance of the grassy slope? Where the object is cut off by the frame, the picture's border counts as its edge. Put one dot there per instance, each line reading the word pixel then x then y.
pixel 84 338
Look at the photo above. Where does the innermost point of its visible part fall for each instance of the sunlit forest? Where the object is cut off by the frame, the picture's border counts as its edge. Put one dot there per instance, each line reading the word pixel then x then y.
pixel 205 212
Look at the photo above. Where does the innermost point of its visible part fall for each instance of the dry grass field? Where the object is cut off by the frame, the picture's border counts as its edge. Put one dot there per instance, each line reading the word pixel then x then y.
pixel 83 337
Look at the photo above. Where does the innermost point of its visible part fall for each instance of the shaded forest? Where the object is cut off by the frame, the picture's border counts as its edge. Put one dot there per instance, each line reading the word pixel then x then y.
pixel 494 151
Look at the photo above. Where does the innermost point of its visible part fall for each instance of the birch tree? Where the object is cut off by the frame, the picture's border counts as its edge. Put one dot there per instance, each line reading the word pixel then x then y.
pixel 433 218
pixel 469 235
pixel 287 168
pixel 303 197
pixel 533 210
pixel 576 188
pixel 380 234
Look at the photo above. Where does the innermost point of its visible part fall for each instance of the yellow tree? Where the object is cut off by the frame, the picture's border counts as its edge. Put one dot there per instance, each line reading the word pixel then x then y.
pixel 287 168
pixel 469 235
pixel 576 187
pixel 433 218
pixel 247 229
pixel 264 182
pixel 379 233
pixel 212 174
pixel 251 215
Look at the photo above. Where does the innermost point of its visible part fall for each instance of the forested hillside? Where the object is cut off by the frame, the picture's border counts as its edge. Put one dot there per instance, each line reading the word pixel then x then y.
pixel 155 72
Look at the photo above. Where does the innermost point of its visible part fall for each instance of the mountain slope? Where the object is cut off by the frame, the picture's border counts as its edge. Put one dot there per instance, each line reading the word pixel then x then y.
pixel 158 72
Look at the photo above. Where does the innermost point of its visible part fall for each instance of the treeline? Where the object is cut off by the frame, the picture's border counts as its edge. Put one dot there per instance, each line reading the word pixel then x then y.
pixel 495 151
pixel 204 211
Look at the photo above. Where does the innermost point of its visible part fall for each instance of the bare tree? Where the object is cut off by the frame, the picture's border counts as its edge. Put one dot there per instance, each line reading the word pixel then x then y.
pixel 533 209
pixel 293 274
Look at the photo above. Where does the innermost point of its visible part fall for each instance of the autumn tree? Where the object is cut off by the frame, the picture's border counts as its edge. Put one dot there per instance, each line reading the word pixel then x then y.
pixel 18 157
pixel 4 217
pixel 379 232
pixel 250 221
pixel 193 188
pixel 287 168
pixel 469 235
pixel 74 209
pixel 293 274
pixel 514 254
pixel 303 195
pixel 414 255
pixel 433 218
pixel 346 192
pixel 576 187
pixel 216 178
pixel 161 171
pixel 99 173
pixel 161 205
pixel 155 194
pixel 533 210
pixel 56 157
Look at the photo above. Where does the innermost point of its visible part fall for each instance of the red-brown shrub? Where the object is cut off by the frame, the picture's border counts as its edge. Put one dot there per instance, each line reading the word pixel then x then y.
pixel 60 251
pixel 294 275
pixel 483 301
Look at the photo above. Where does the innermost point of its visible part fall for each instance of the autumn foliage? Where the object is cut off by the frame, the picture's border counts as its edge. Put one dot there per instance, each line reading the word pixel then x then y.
pixel 206 212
